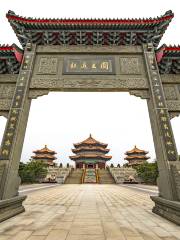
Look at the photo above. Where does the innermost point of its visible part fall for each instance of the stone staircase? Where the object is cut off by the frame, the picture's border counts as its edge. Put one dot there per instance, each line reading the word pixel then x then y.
pixel 75 177
pixel 105 177
pixel 90 176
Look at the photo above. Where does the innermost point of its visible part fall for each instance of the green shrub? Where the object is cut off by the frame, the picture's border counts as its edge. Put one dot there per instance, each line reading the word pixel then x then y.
pixel 32 171
pixel 148 172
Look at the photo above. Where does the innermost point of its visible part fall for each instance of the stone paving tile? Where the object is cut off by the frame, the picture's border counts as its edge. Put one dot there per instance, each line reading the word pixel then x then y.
pixel 86 237
pixel 63 225
pixel 57 235
pixel 88 212
pixel 44 231
pixel 85 223
pixel 36 238
pixel 12 230
pixel 4 237
pixel 169 238
pixel 22 235
pixel 88 230
pixel 176 234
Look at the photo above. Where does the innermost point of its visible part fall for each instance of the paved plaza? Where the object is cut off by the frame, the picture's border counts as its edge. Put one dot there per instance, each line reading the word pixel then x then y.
pixel 88 212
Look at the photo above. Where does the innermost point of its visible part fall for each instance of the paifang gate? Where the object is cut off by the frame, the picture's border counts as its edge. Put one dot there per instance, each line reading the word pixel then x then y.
pixel 90 55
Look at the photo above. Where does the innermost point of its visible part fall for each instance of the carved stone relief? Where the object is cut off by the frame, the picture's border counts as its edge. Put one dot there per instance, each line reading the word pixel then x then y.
pixel 174 114
pixel 170 78
pixel 33 94
pixel 129 65
pixel 2 169
pixel 48 65
pixel 136 83
pixel 5 104
pixel 43 83
pixel 170 92
pixel 91 83
pixel 173 106
pixel 6 91
pixel 117 83
pixel 175 169
pixel 4 114
pixel 87 49
pixel 143 94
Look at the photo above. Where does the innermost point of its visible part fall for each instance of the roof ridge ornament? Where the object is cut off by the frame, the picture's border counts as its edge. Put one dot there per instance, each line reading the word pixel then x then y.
pixel 169 12
pixel 10 12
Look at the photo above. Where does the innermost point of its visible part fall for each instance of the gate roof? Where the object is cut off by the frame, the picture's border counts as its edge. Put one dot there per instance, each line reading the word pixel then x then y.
pixel 10 59
pixel 89 31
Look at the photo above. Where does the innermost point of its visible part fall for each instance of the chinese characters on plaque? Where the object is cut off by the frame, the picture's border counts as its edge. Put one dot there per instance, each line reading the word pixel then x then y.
pixel 161 108
pixel 96 65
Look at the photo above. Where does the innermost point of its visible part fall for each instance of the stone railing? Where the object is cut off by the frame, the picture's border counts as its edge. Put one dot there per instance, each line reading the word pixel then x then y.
pixel 59 175
pixel 122 174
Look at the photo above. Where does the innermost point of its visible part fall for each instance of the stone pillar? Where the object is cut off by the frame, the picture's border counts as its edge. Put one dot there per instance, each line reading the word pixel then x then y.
pixel 165 147
pixel 12 144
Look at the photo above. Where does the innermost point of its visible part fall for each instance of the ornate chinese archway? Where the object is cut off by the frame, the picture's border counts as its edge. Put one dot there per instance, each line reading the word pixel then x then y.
pixel 90 55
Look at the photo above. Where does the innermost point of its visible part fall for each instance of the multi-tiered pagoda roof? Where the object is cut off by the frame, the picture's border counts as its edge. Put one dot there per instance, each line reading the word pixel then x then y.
pixel 136 156
pixel 46 155
pixel 90 150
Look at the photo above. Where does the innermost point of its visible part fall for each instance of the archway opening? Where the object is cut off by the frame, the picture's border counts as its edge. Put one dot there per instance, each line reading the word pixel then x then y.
pixel 176 126
pixel 3 121
pixel 61 119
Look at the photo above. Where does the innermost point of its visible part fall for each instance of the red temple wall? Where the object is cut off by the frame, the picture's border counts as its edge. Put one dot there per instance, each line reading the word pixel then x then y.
pixel 101 165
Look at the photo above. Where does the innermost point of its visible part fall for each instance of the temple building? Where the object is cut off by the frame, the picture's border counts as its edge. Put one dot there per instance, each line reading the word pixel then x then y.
pixel 90 153
pixel 45 155
pixel 136 157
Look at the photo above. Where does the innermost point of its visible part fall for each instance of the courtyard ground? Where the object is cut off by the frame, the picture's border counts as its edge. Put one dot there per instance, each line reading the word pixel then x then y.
pixel 88 212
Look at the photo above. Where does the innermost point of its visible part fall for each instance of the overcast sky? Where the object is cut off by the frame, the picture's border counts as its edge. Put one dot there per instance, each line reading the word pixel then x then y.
pixel 61 119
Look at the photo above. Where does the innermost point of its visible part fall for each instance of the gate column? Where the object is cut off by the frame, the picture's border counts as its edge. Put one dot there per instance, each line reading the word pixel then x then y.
pixel 12 143
pixel 167 204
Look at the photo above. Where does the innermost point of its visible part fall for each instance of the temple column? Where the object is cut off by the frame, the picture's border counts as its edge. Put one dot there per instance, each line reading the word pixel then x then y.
pixel 167 203
pixel 164 179
pixel 12 143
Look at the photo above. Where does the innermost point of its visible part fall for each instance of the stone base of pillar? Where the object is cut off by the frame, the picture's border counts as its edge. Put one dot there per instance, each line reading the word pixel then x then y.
pixel 11 207
pixel 167 209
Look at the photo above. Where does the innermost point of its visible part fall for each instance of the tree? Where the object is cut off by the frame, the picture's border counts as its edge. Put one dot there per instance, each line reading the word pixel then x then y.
pixel 21 166
pixel 125 165
pixel 148 172
pixel 33 171
pixel 112 165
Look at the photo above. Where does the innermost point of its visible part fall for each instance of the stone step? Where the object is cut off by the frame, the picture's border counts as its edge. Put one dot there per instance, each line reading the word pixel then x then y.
pixel 105 177
pixel 74 177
